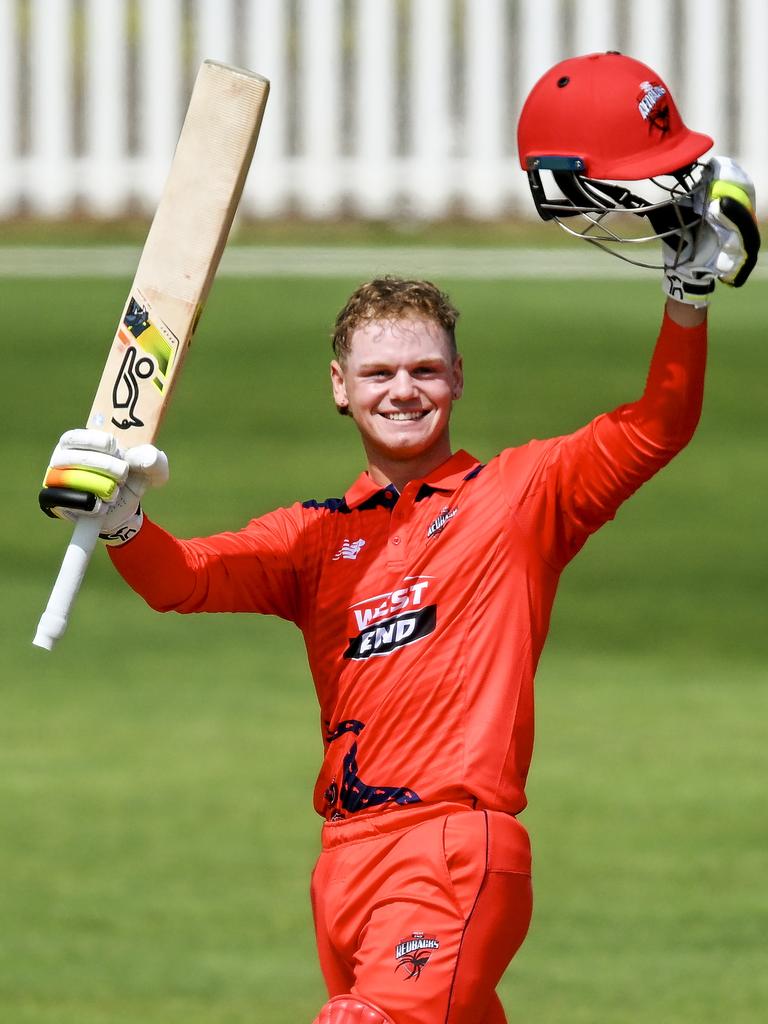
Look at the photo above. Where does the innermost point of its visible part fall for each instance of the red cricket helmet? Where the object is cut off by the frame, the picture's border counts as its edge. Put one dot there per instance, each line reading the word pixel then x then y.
pixel 603 118
pixel 613 113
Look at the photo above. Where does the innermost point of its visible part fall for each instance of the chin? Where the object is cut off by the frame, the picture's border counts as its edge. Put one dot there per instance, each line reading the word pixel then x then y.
pixel 406 447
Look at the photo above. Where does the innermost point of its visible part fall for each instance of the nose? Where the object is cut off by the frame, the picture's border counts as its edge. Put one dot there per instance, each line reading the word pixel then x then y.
pixel 402 386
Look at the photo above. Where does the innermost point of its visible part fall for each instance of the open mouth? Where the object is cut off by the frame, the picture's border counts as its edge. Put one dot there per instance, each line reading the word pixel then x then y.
pixel 404 417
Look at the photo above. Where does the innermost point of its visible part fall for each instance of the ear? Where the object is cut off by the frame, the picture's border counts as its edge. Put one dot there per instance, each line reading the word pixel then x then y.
pixel 457 388
pixel 338 385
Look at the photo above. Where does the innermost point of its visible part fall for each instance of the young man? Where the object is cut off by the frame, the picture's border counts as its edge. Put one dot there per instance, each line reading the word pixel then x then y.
pixel 434 573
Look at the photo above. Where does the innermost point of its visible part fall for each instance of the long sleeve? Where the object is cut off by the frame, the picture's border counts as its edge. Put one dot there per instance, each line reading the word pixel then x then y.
pixel 583 478
pixel 253 570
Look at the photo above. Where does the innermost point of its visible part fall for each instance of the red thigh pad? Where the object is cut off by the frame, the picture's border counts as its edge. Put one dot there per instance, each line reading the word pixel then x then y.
pixel 351 1010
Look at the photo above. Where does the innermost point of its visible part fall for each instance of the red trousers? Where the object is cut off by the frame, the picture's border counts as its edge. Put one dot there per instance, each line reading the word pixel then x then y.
pixel 420 911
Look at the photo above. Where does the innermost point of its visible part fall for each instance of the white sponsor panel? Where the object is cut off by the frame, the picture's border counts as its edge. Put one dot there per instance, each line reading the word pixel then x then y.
pixel 382 606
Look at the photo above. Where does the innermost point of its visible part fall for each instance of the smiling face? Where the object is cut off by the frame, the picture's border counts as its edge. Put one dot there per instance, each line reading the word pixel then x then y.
pixel 399 382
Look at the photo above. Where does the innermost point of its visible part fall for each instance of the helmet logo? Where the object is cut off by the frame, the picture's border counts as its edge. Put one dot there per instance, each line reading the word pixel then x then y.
pixel 651 106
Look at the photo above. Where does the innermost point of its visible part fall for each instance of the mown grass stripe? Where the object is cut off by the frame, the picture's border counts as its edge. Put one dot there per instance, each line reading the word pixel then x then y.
pixel 572 262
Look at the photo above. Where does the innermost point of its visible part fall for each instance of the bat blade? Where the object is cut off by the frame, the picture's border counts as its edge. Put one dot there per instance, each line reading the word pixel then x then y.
pixel 181 253
pixel 174 275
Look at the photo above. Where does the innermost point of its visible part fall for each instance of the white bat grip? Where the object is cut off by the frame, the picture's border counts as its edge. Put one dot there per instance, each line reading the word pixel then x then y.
pixel 53 621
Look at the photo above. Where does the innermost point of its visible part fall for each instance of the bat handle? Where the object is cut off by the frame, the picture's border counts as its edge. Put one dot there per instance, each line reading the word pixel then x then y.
pixel 53 621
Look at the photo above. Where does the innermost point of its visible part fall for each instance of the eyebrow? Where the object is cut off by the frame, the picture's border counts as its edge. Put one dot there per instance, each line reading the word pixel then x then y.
pixel 376 364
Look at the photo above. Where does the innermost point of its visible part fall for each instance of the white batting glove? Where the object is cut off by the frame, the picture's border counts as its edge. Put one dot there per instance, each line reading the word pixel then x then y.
pixel 725 244
pixel 90 475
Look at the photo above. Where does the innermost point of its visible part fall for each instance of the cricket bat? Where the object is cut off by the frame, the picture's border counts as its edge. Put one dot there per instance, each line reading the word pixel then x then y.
pixel 173 278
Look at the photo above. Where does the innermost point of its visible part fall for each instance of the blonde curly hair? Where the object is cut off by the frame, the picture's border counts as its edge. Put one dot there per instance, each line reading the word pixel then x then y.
pixel 392 298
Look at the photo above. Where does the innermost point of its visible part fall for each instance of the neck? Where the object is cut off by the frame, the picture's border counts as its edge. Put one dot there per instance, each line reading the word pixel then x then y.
pixel 384 470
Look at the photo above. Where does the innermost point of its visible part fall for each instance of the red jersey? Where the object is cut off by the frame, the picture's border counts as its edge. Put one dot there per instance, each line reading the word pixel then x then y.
pixel 424 613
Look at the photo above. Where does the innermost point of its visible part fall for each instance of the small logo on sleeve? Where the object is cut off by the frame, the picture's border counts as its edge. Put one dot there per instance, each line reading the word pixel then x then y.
pixel 413 953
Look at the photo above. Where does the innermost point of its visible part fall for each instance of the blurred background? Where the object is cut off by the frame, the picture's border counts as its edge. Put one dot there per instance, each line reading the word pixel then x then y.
pixel 156 830
pixel 379 110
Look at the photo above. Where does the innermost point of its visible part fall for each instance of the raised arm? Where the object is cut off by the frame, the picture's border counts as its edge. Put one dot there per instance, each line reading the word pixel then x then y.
pixel 252 570
pixel 584 477
pixel 256 569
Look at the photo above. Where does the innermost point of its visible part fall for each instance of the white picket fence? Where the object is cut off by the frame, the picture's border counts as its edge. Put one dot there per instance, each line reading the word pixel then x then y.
pixel 379 108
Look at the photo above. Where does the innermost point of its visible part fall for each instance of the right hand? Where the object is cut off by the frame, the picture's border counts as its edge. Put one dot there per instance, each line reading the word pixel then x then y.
pixel 90 475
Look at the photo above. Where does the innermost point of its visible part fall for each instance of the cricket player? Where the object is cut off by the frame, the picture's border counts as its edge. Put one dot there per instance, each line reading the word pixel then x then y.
pixel 435 573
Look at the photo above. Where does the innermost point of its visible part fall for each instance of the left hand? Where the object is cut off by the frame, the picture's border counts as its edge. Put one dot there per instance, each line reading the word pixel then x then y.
pixel 726 242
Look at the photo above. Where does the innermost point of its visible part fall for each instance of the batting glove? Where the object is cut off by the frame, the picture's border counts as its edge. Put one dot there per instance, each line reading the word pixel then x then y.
pixel 90 475
pixel 724 245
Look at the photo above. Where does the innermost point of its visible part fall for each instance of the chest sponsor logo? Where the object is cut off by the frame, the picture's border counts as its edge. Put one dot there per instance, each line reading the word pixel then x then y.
pixel 441 521
pixel 393 633
pixel 390 621
pixel 349 549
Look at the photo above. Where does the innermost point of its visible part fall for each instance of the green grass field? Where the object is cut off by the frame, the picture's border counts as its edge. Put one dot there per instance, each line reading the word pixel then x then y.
pixel 156 833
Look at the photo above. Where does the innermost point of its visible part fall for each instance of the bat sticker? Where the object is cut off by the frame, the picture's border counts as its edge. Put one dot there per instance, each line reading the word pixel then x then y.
pixel 141 335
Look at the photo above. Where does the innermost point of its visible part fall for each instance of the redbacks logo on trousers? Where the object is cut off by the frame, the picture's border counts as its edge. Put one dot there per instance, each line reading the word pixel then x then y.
pixel 387 622
pixel 414 952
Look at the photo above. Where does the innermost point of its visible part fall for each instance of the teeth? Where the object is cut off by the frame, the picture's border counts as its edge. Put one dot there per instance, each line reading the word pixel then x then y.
pixel 403 415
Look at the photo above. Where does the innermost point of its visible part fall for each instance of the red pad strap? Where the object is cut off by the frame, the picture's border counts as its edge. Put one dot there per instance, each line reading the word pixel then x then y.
pixel 351 1010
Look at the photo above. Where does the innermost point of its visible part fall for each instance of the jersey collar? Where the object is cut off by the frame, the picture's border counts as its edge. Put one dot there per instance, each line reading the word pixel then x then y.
pixel 446 477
